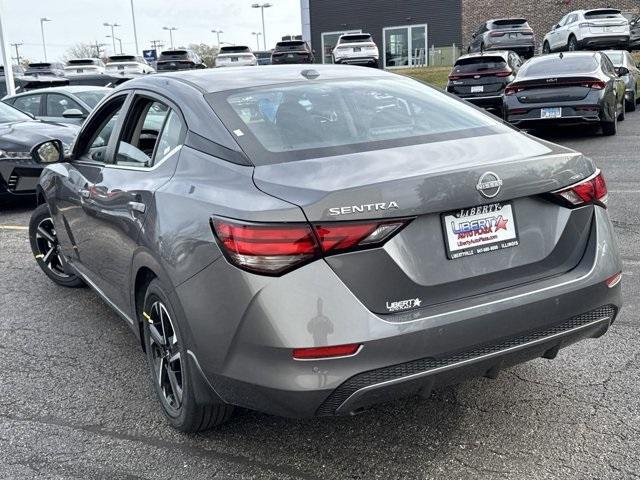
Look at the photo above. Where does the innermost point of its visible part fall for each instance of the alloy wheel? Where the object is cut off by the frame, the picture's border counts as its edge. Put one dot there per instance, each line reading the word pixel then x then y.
pixel 165 354
pixel 49 249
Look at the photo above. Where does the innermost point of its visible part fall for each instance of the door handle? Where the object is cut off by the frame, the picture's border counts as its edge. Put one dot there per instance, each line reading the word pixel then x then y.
pixel 137 206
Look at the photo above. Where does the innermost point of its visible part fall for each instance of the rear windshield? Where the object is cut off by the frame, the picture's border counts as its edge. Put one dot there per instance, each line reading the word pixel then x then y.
pixel 81 61
pixel 604 14
pixel 11 114
pixel 293 45
pixel 478 64
pixel 356 38
pixel 173 54
pixel 510 23
pixel 550 65
pixel 235 49
pixel 91 97
pixel 310 120
pixel 122 58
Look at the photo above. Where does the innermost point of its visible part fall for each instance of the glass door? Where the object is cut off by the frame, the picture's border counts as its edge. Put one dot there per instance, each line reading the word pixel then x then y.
pixel 405 46
pixel 329 41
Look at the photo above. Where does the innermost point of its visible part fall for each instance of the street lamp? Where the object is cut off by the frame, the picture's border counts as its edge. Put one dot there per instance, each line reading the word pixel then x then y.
pixel 135 31
pixel 113 36
pixel 217 32
pixel 257 34
pixel 119 41
pixel 44 44
pixel 171 29
pixel 262 6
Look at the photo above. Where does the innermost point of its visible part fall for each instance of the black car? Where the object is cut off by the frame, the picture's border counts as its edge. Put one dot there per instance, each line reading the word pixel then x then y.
pixel 481 78
pixel 55 69
pixel 263 57
pixel 566 88
pixel 19 133
pixel 173 60
pixel 292 51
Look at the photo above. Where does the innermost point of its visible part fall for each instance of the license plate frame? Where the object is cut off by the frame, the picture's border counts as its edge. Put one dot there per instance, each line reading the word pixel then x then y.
pixel 465 231
pixel 357 49
pixel 477 88
pixel 550 112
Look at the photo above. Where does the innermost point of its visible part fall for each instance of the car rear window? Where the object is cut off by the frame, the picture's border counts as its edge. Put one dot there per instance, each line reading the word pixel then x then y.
pixel 91 97
pixel 235 49
pixel 310 120
pixel 604 13
pixel 510 23
pixel 550 65
pixel 478 64
pixel 617 58
pixel 356 38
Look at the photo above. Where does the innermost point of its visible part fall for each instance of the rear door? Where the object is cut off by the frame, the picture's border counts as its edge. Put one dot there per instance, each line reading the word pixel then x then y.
pixel 55 104
pixel 32 104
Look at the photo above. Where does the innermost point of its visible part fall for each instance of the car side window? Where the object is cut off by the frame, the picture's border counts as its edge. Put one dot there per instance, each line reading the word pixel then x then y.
pixel 607 66
pixel 57 104
pixel 95 148
pixel 29 104
pixel 151 132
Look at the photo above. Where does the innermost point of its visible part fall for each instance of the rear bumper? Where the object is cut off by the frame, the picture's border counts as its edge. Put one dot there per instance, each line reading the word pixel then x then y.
pixel 243 335
pixel 357 61
pixel 605 41
pixel 494 102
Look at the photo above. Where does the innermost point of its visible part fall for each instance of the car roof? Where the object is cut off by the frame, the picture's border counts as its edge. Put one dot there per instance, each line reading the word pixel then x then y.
pixel 222 79
pixel 486 53
pixel 64 89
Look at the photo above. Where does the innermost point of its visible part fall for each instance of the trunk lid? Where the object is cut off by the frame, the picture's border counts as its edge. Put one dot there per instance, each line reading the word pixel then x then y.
pixel 423 182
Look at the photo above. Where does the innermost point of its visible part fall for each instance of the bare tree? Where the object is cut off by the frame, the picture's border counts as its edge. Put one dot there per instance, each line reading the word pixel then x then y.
pixel 81 50
pixel 206 52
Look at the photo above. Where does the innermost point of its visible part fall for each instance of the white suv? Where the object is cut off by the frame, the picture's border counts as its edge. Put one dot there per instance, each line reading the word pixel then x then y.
pixel 601 28
pixel 356 49
pixel 236 56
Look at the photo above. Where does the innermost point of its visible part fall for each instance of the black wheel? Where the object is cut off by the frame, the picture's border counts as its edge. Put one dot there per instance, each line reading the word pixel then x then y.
pixel 610 128
pixel 546 48
pixel 167 358
pixel 631 104
pixel 572 45
pixel 45 248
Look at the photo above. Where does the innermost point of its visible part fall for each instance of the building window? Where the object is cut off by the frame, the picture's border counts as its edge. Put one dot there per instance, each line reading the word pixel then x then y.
pixel 329 41
pixel 404 46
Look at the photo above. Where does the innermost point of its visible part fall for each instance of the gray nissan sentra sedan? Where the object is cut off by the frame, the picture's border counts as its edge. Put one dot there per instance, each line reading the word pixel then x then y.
pixel 315 241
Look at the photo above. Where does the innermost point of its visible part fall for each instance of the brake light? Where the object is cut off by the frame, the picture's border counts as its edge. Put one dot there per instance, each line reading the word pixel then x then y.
pixel 273 249
pixel 595 84
pixel 512 89
pixel 527 32
pixel 326 352
pixel 585 25
pixel 454 77
pixel 591 190
pixel 614 280
pixel 504 73
pixel 496 34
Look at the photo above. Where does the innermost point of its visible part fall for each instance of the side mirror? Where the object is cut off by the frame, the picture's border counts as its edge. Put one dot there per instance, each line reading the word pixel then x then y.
pixel 51 151
pixel 473 35
pixel 555 26
pixel 622 71
pixel 73 113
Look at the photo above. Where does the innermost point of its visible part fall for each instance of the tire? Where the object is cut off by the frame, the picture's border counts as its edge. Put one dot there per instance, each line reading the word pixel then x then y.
pixel 44 245
pixel 546 48
pixel 167 352
pixel 631 104
pixel 610 128
pixel 572 44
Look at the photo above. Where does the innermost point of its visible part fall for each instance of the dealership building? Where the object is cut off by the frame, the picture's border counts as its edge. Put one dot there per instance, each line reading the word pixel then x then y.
pixel 406 31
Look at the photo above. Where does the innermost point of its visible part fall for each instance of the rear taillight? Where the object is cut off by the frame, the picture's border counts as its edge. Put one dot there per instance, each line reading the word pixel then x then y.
pixel 496 34
pixel 595 84
pixel 273 249
pixel 504 73
pixel 512 89
pixel 454 77
pixel 591 190
pixel 614 280
pixel 527 32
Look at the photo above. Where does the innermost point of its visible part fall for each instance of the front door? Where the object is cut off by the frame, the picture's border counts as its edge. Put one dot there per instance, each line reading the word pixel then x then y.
pixel 116 195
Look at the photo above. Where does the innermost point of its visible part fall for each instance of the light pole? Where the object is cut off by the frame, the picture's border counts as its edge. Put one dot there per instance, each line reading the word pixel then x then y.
pixel 135 31
pixel 257 34
pixel 119 41
pixel 217 32
pixel 262 6
pixel 113 36
pixel 171 29
pixel 16 45
pixel 44 45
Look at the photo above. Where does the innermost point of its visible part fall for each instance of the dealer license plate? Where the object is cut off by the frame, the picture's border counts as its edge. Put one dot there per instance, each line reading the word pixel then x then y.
pixel 477 230
pixel 553 112
pixel 477 88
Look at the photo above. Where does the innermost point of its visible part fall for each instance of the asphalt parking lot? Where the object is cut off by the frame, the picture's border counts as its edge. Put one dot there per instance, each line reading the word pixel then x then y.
pixel 75 400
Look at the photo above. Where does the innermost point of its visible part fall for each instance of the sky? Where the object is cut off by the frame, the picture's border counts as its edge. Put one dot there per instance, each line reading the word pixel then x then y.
pixel 81 21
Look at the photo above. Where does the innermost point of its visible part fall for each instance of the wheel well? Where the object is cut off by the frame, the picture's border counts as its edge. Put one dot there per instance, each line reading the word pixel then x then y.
pixel 143 278
pixel 39 196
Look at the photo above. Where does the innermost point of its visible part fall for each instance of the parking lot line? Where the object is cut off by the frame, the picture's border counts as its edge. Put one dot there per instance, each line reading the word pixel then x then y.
pixel 13 227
